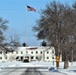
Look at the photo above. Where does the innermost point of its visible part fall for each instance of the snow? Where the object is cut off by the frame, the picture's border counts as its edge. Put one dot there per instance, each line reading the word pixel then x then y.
pixel 48 68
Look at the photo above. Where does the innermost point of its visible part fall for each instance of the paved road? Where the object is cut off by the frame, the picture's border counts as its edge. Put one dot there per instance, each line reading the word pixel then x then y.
pixel 27 71
pixel 32 72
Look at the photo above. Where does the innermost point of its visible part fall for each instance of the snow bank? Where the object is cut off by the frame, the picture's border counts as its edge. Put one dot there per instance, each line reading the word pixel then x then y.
pixel 51 68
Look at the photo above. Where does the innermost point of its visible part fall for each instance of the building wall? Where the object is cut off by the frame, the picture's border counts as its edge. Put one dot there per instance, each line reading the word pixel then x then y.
pixel 34 54
pixel 2 56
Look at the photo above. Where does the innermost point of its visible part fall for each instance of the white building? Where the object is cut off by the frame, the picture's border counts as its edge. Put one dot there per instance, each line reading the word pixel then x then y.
pixel 32 53
pixel 2 55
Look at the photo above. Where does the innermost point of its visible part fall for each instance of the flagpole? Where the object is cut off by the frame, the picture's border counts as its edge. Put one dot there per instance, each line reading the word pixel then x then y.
pixel 25 24
pixel 29 8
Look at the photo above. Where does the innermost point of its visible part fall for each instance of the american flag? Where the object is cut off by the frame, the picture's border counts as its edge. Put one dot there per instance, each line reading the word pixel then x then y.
pixel 29 8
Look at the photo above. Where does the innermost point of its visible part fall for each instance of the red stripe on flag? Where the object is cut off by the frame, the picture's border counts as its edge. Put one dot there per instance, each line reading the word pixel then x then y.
pixel 30 8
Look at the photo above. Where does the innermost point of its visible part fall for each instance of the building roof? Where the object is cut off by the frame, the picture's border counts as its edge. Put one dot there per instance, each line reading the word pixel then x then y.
pixel 34 48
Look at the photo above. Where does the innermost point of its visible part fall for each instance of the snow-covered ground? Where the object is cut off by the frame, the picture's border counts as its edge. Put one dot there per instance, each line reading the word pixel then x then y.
pixel 48 67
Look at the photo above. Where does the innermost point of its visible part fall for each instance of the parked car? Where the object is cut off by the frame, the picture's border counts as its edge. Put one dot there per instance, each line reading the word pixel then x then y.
pixel 25 60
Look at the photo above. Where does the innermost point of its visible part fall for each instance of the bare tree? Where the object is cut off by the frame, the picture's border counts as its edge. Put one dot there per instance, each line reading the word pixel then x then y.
pixel 13 43
pixel 57 25
pixel 14 40
pixel 3 27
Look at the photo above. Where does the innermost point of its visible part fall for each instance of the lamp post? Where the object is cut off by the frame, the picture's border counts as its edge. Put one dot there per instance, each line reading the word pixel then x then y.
pixel 53 56
pixel 44 54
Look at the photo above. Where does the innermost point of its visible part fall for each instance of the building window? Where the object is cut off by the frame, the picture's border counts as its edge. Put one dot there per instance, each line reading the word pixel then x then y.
pixel 21 58
pixel 16 52
pixel 0 52
pixel 17 57
pixel 47 57
pixel 0 57
pixel 6 52
pixel 21 52
pixel 32 57
pixel 52 57
pixel 5 57
pixel 31 52
pixel 36 52
pixel 36 57
pixel 53 51
pixel 47 52
pixel 41 52
pixel 26 51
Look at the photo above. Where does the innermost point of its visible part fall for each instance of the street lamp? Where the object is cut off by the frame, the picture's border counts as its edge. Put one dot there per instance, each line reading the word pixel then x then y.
pixel 53 56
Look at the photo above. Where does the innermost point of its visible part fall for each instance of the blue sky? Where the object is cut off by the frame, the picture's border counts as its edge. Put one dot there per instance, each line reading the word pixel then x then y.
pixel 20 20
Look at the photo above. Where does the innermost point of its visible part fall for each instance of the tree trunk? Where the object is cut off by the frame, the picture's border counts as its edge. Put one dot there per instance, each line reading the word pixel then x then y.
pixel 72 57
pixel 65 64
pixel 66 61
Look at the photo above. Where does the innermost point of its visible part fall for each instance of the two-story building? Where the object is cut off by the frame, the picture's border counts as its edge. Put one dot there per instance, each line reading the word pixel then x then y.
pixel 34 53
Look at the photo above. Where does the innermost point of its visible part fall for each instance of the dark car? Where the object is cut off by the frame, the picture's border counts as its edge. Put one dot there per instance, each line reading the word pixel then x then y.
pixel 25 60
